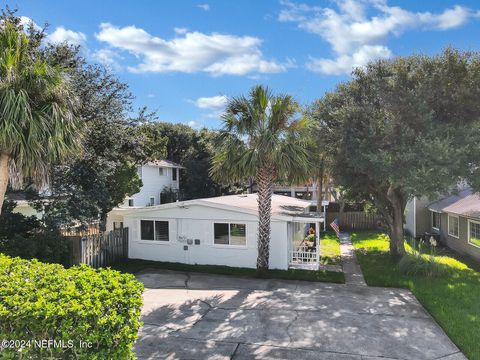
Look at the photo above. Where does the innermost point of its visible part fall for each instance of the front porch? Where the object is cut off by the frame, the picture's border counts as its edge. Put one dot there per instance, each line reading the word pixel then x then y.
pixel 304 240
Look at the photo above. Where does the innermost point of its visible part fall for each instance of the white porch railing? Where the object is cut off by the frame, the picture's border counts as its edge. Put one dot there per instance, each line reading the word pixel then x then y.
pixel 303 255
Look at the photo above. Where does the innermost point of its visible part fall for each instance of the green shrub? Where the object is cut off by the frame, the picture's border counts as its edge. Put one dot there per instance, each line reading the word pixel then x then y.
pixel 39 301
pixel 27 237
pixel 421 265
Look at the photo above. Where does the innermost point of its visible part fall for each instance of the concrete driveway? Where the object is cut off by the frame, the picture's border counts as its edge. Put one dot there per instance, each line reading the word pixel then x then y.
pixel 201 316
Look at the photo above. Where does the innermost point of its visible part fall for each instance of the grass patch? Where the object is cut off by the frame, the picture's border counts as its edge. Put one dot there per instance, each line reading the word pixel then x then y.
pixel 134 266
pixel 453 299
pixel 330 249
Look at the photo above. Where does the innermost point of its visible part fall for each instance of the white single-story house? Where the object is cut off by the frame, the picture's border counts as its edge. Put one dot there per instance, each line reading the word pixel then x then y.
pixel 221 231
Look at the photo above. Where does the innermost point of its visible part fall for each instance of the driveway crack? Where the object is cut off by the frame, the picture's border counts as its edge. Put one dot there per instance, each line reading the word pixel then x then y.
pixel 234 351
pixel 287 329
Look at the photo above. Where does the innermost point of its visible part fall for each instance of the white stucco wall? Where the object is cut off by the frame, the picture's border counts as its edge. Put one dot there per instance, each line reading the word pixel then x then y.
pixel 26 210
pixel 410 217
pixel 153 184
pixel 196 222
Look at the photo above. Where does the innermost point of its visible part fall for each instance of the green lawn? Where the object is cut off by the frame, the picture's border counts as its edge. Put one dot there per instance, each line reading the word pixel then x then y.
pixel 134 266
pixel 453 299
pixel 329 249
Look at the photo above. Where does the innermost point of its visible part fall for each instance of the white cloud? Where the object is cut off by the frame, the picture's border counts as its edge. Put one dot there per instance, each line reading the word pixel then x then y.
pixel 357 30
pixel 61 35
pixel 151 96
pixel 108 58
pixel 214 102
pixel 204 7
pixel 180 30
pixel 194 124
pixel 25 21
pixel 344 64
pixel 215 54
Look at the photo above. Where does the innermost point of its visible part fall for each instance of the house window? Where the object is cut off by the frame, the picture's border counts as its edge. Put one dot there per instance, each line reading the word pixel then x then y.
pixel 229 234
pixel 131 202
pixel 453 226
pixel 174 174
pixel 117 225
pixel 154 230
pixel 152 201
pixel 435 220
pixel 161 171
pixel 474 233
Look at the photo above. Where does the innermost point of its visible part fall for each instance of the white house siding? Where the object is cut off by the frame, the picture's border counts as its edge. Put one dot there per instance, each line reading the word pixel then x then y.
pixel 153 184
pixel 196 222
pixel 417 216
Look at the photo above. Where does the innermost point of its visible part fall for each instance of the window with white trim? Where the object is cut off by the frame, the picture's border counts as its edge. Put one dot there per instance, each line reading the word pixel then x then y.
pixel 161 171
pixel 174 174
pixel 131 202
pixel 474 233
pixel 435 220
pixel 230 234
pixel 154 230
pixel 152 201
pixel 453 225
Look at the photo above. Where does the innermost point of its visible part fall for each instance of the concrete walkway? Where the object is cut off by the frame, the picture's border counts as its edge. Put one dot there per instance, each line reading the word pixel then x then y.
pixel 351 268
pixel 203 316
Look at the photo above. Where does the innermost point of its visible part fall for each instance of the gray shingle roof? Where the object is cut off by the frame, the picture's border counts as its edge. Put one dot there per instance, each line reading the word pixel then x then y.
pixel 464 203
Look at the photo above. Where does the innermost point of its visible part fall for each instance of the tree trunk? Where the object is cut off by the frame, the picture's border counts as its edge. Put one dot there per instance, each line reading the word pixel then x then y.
pixel 4 175
pixel 102 226
pixel 319 192
pixel 265 183
pixel 397 247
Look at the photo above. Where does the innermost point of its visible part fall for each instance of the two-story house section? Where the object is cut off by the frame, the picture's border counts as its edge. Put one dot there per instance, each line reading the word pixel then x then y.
pixel 157 176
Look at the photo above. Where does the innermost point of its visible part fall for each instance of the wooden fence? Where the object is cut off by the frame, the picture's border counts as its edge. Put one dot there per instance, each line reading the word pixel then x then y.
pixel 100 249
pixel 354 220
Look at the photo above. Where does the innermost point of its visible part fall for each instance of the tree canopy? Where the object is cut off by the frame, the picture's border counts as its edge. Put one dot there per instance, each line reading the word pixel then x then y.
pixel 403 128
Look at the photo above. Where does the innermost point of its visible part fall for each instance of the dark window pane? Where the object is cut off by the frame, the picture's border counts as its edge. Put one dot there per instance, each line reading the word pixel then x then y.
pixel 221 234
pixel 238 234
pixel 161 230
pixel 146 227
pixel 174 174
pixel 130 202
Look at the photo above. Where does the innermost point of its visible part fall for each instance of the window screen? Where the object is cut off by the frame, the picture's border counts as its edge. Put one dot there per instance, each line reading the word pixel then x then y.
pixel 146 229
pixel 221 234
pixel 161 230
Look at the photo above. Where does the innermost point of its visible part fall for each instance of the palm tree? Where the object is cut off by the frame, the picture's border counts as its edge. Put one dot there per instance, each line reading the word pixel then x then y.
pixel 261 140
pixel 37 122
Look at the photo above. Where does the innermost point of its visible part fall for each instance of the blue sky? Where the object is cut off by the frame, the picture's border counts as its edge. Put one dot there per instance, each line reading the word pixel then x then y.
pixel 182 58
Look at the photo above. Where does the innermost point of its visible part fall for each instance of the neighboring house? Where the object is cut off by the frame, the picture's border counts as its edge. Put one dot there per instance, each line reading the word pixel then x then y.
pixel 157 176
pixel 23 206
pixel 307 191
pixel 220 231
pixel 455 218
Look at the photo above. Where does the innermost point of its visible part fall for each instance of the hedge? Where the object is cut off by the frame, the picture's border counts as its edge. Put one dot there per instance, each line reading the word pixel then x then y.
pixel 78 313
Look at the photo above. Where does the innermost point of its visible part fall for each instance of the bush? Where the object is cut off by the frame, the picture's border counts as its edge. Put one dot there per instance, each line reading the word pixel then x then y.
pixel 28 238
pixel 79 305
pixel 421 260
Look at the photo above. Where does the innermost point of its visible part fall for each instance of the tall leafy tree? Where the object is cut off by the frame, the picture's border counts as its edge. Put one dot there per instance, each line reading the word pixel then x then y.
pixel 403 128
pixel 262 140
pixel 38 124
pixel 193 149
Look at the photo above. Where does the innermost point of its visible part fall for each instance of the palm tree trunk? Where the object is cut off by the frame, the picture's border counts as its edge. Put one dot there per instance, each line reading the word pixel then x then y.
pixel 4 174
pixel 265 184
